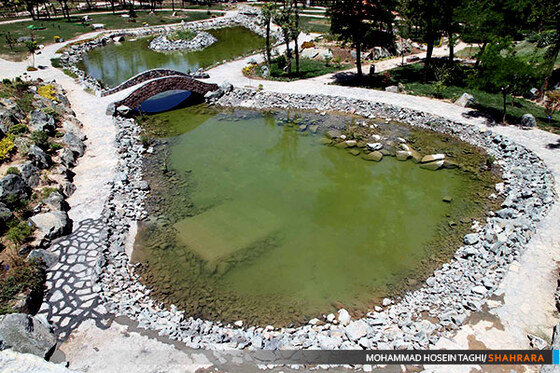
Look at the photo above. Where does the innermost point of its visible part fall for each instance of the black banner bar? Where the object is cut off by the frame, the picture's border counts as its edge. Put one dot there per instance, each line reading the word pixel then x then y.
pixel 424 357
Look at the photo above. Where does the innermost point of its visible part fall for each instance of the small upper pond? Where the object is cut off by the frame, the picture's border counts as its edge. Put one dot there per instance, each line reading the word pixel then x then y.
pixel 256 217
pixel 114 63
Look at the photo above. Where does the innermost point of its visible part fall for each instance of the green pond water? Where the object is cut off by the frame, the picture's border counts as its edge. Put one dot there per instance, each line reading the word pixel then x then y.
pixel 114 63
pixel 260 221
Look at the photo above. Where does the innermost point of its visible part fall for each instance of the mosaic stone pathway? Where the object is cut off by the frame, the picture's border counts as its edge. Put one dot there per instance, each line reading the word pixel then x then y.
pixel 71 297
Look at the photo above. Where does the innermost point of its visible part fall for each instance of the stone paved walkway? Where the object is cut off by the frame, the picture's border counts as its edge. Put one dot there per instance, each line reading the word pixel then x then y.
pixel 71 296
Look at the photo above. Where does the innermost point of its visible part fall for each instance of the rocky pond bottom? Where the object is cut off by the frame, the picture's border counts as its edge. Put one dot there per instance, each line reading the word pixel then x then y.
pixel 259 217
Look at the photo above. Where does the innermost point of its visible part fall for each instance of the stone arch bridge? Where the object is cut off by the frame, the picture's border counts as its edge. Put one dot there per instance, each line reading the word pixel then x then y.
pixel 164 84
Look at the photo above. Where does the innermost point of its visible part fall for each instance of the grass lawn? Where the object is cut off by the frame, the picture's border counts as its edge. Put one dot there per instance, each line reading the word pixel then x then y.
pixel 410 76
pixel 308 69
pixel 68 30
pixel 315 24
pixel 468 52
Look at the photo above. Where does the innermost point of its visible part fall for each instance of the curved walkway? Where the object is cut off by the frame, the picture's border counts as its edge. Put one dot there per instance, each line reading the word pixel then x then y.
pixel 524 304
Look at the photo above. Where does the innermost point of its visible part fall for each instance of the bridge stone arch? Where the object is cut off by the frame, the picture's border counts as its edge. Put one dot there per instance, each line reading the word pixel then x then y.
pixel 165 84
pixel 141 78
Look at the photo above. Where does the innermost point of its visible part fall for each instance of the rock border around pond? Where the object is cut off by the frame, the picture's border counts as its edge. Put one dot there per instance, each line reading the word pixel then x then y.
pixel 453 291
pixel 201 41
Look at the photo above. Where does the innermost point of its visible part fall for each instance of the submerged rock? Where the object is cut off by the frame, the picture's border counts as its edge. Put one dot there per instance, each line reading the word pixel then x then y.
pixel 373 156
pixel 432 165
pixel 333 134
pixel 432 158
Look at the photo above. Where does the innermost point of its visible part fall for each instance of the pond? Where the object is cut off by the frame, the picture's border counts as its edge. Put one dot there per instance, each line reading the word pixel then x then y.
pixel 255 217
pixel 114 63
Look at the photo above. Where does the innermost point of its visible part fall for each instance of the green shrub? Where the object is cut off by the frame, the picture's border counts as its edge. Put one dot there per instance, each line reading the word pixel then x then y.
pixel 182 35
pixel 47 191
pixel 13 171
pixel 14 202
pixel 18 129
pixel 53 146
pixel 18 278
pixel 19 232
pixel 6 146
pixel 40 138
pixel 70 73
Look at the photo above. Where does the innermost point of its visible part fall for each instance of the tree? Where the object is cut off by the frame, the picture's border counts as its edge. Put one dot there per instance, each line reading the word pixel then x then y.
pixel 426 17
pixel 502 71
pixel 10 40
pixel 285 18
pixel 294 32
pixel 269 12
pixel 32 47
pixel 548 12
pixel 485 21
pixel 362 22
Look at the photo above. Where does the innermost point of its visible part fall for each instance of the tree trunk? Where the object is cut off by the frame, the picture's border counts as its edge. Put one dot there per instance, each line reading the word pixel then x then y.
pixel 31 11
pixel 288 54
pixel 479 55
pixel 296 36
pixel 451 43
pixel 88 2
pixel 504 95
pixel 268 51
pixel 296 51
pixel 429 52
pixel 359 58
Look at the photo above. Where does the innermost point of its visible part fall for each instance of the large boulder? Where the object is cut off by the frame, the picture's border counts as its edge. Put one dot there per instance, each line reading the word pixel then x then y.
pixel 41 121
pixel 74 143
pixel 310 53
pixel 27 334
pixel 23 144
pixel 528 121
pixel 13 188
pixel 30 173
pixel 10 114
pixel 47 257
pixel 55 202
pixel 52 224
pixel 212 96
pixel 67 157
pixel 466 100
pixel 392 89
pixel 356 330
pixel 123 110
pixel 38 157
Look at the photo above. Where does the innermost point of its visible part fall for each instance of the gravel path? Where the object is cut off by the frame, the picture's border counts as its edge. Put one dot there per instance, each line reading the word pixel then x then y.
pixel 524 304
